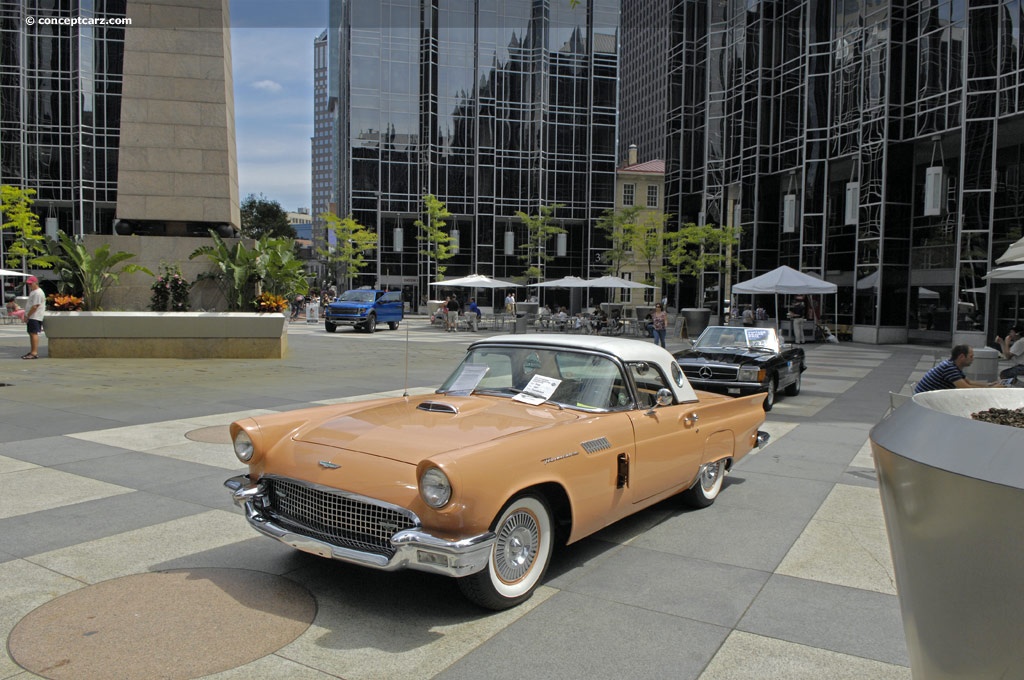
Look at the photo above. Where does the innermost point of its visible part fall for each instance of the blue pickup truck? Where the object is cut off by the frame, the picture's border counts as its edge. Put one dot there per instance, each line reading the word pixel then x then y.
pixel 364 309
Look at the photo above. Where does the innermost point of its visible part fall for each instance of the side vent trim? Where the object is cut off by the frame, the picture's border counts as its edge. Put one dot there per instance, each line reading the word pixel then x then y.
pixel 595 445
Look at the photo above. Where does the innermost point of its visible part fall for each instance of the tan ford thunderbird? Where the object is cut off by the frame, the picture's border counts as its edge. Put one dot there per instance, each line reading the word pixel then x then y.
pixel 533 441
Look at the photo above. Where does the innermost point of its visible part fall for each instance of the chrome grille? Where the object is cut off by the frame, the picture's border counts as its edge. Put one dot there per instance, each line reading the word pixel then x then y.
pixel 717 372
pixel 335 517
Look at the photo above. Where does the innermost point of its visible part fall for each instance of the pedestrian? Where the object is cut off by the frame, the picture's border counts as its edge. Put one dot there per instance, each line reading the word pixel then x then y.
pixel 949 374
pixel 35 310
pixel 1012 348
pixel 748 316
pixel 453 313
pixel 796 316
pixel 474 314
pixel 659 324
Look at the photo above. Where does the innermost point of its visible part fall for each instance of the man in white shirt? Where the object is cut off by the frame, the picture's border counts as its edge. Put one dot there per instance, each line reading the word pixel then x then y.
pixel 1012 348
pixel 35 309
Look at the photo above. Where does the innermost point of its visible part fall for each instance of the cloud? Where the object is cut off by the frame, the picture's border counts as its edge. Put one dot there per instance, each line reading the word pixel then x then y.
pixel 268 85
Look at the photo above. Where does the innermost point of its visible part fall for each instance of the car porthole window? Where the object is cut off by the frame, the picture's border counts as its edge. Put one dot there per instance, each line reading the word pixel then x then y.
pixel 677 374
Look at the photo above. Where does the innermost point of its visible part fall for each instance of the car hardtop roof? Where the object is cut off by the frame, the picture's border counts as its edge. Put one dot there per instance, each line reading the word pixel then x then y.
pixel 623 348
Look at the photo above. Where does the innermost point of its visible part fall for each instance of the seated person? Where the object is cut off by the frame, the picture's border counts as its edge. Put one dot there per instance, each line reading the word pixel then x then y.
pixel 949 374
pixel 13 309
pixel 1012 347
pixel 560 318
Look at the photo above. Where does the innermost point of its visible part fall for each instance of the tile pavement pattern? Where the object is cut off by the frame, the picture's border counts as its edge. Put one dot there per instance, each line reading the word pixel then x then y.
pixel 786 576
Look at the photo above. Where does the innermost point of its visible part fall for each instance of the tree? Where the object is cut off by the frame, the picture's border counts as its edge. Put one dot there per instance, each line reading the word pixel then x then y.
pixel 353 241
pixel 694 249
pixel 29 245
pixel 648 242
pixel 539 231
pixel 619 227
pixel 437 240
pixel 263 217
pixel 90 273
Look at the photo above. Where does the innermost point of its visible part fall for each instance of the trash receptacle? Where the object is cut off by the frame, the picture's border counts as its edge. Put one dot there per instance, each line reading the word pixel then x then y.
pixel 985 366
pixel 696 320
pixel 520 322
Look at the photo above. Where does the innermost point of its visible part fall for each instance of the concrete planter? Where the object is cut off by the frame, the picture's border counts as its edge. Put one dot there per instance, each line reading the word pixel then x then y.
pixel 166 335
pixel 952 492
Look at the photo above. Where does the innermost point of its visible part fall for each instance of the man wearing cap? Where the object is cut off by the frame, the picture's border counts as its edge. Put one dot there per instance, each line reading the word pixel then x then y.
pixel 35 309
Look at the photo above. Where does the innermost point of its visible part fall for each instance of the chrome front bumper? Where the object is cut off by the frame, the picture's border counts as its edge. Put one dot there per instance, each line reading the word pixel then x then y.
pixel 414 548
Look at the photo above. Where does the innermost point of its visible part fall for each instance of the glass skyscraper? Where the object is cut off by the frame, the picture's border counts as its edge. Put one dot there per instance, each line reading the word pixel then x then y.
pixel 494 106
pixel 879 145
pixel 60 109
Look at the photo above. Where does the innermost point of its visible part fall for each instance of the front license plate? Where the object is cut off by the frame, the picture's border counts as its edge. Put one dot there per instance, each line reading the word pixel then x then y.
pixel 734 390
pixel 309 545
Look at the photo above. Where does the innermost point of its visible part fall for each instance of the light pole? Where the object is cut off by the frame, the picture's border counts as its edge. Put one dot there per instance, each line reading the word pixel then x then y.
pixel 377 249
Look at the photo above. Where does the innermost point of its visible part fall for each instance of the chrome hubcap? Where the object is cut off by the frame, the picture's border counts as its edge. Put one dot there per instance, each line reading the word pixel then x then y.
pixel 709 476
pixel 516 547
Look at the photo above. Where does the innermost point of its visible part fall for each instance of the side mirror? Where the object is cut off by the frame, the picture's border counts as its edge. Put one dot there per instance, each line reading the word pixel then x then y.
pixel 663 397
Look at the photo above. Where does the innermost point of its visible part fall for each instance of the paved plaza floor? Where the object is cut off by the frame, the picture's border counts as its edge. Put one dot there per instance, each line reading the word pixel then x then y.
pixel 121 555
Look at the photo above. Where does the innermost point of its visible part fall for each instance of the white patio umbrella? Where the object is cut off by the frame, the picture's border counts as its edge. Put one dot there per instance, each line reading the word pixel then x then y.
pixel 475 281
pixel 565 282
pixel 615 282
pixel 1015 253
pixel 11 272
pixel 1013 272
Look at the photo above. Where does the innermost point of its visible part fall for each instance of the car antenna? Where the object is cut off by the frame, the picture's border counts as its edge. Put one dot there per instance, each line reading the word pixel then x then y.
pixel 405 392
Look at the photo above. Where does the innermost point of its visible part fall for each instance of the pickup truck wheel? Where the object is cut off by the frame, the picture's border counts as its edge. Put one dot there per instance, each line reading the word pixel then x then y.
pixel 793 389
pixel 705 490
pixel 769 397
pixel 393 325
pixel 519 557
pixel 330 327
pixel 371 323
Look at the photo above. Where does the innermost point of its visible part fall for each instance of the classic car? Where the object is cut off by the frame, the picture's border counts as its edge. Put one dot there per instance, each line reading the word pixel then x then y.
pixel 364 309
pixel 532 442
pixel 738 360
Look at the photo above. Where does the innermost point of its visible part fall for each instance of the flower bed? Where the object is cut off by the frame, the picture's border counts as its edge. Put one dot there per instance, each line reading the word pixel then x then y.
pixel 166 335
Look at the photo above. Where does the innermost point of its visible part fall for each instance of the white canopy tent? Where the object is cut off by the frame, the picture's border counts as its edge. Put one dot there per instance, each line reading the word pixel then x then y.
pixel 787 281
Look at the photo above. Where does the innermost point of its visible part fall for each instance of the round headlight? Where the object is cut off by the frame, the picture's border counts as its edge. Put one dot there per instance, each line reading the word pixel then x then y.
pixel 435 489
pixel 243 446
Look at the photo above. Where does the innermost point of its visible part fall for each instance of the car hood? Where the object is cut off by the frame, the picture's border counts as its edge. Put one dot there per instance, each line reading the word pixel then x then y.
pixel 413 429
pixel 724 355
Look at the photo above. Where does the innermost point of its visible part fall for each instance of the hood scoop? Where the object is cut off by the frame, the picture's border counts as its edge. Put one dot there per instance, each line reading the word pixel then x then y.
pixel 437 407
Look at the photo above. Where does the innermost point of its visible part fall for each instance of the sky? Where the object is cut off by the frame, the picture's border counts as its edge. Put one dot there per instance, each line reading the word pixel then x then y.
pixel 272 63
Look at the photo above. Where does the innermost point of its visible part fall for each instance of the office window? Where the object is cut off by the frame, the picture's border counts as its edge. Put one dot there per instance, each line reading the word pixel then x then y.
pixel 628 193
pixel 652 195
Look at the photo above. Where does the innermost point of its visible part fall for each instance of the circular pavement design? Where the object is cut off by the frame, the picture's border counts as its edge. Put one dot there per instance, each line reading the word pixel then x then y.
pixel 178 624
pixel 218 434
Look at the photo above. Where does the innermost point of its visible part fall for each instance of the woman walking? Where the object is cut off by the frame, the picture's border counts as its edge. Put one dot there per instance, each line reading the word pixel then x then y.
pixel 659 323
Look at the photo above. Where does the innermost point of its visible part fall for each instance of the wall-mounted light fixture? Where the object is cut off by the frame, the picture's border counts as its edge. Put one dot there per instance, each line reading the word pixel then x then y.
pixel 561 244
pixel 453 241
pixel 510 243
pixel 789 207
pixel 851 214
pixel 935 181
pixel 398 236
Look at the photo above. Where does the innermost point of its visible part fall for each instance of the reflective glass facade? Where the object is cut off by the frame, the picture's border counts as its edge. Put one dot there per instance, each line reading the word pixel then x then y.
pixel 492 106
pixel 60 108
pixel 846 105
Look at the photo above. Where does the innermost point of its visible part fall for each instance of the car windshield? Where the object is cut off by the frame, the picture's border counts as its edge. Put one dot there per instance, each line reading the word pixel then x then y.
pixel 565 377
pixel 357 296
pixel 735 336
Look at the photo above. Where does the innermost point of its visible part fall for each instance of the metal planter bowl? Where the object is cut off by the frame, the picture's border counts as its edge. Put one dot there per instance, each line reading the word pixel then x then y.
pixel 952 493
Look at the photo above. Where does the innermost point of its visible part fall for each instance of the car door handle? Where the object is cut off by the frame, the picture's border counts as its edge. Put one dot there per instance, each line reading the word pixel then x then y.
pixel 691 420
